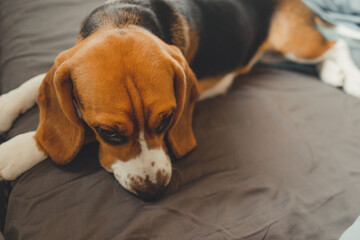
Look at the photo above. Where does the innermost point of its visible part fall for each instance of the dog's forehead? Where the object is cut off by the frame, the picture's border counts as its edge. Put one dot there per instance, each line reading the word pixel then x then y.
pixel 108 77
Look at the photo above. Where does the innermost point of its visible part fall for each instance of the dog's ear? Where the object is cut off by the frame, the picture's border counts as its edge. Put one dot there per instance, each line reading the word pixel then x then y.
pixel 60 132
pixel 180 135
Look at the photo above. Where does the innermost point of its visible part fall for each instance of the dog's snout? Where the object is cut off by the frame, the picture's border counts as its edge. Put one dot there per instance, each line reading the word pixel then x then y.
pixel 146 175
pixel 147 189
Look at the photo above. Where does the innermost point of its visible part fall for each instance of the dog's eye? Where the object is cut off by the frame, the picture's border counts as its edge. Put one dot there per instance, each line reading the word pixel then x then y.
pixel 164 124
pixel 111 136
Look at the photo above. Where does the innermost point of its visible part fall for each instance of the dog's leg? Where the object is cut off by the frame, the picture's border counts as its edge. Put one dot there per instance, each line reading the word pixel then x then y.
pixel 293 33
pixel 19 155
pixel 329 70
pixel 18 101
pixel 336 67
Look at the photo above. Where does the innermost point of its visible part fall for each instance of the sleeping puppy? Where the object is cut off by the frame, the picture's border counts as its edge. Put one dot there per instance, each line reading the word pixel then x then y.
pixel 131 81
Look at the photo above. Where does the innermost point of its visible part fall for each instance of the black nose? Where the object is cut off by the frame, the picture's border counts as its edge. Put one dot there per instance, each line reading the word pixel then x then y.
pixel 152 195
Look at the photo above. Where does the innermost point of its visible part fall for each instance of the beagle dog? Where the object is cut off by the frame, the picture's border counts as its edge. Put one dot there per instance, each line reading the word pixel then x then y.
pixel 132 79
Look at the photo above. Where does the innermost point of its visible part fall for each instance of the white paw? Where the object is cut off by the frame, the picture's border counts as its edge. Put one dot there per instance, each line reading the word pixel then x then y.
pixel 18 101
pixel 331 73
pixel 19 155
pixel 8 112
pixel 352 83
pixel 339 69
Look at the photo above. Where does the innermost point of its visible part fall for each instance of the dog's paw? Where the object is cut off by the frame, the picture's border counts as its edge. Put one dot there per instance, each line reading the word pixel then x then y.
pixel 8 171
pixel 8 112
pixel 352 83
pixel 9 163
pixel 10 160
pixel 18 101
pixel 19 155
pixel 338 69
pixel 331 73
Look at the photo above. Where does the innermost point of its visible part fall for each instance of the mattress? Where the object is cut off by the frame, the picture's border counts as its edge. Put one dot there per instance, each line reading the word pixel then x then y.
pixel 277 156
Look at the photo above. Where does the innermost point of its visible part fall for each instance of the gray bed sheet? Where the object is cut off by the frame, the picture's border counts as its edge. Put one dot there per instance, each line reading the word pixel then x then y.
pixel 277 156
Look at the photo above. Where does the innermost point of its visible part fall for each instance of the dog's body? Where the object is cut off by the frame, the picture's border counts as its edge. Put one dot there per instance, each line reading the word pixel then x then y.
pixel 131 75
pixel 215 37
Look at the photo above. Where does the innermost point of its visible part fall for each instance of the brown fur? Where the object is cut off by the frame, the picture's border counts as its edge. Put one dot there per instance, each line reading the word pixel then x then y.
pixel 129 92
pixel 58 113
pixel 293 30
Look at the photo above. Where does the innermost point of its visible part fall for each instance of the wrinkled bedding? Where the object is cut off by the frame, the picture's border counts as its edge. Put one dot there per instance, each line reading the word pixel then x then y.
pixel 277 156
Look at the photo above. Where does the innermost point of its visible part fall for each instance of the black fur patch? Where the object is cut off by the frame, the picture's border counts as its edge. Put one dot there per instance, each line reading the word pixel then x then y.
pixel 121 13
pixel 229 31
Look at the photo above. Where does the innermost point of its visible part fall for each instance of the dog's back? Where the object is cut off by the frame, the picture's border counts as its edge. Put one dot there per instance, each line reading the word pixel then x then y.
pixel 224 34
pixel 230 32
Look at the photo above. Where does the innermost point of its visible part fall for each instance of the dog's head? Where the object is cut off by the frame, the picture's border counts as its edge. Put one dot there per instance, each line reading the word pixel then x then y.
pixel 129 90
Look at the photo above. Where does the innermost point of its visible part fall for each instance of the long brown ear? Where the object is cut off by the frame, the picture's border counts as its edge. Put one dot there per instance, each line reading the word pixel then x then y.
pixel 60 132
pixel 180 135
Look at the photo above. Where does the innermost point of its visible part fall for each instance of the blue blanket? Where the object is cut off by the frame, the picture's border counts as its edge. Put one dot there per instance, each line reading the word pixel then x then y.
pixel 345 12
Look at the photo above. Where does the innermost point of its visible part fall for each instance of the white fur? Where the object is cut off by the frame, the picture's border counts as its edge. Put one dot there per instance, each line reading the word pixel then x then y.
pixel 353 232
pixel 293 58
pixel 348 32
pixel 18 101
pixel 19 155
pixel 341 54
pixel 336 68
pixel 330 72
pixel 220 88
pixel 141 166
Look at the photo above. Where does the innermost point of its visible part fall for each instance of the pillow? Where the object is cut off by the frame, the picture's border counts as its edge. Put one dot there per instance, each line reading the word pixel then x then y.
pixel 277 156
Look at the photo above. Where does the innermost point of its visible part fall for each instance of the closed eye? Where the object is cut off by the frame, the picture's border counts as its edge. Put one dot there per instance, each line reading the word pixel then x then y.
pixel 165 122
pixel 111 136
